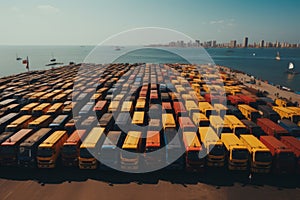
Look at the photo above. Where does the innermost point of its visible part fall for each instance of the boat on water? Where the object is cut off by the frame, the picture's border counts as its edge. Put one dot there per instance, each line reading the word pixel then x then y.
pixel 291 69
pixel 117 48
pixel 18 58
pixel 277 56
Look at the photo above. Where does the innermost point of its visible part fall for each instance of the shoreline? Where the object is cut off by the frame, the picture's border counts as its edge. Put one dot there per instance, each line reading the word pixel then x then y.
pixel 263 85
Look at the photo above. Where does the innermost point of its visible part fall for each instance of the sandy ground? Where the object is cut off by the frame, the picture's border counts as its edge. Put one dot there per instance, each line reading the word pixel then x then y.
pixel 80 184
pixel 272 90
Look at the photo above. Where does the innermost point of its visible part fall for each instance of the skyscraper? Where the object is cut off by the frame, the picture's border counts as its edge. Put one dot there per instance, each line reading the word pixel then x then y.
pixel 245 43
pixel 262 44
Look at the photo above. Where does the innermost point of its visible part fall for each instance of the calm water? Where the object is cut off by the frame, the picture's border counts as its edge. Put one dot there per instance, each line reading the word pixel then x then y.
pixel 258 62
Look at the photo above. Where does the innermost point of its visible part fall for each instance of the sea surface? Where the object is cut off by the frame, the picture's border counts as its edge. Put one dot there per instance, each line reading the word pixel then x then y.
pixel 260 63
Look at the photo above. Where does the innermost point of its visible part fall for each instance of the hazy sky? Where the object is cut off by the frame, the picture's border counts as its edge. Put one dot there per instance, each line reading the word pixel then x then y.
pixel 61 22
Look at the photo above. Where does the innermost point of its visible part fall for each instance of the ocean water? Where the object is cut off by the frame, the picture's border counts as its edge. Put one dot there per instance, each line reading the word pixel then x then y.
pixel 260 63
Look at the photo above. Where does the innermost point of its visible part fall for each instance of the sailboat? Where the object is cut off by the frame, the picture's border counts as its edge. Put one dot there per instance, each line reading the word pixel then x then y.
pixel 291 69
pixel 277 56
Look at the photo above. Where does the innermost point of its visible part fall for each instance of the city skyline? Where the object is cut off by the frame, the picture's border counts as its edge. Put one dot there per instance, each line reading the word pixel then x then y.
pixel 55 22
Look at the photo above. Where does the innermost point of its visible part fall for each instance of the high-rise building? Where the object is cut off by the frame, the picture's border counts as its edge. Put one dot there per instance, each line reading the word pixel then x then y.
pixel 262 44
pixel 245 43
pixel 232 44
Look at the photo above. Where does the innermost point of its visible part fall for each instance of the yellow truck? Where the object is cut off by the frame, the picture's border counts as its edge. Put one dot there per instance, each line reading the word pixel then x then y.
pixel 213 146
pixel 260 156
pixel 236 152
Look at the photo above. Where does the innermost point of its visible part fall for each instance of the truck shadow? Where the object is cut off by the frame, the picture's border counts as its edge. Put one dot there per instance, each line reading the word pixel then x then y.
pixel 217 178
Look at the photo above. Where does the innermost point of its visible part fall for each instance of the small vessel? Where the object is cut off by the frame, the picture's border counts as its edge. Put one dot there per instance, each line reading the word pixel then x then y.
pixel 291 69
pixel 277 56
pixel 52 59
pixel 18 58
pixel 117 48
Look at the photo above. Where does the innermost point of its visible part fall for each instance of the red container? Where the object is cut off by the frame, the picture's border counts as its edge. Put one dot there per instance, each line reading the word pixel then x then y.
pixel 271 128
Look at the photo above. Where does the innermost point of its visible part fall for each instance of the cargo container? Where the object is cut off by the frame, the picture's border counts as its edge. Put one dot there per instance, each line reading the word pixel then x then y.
pixel 260 156
pixel 86 109
pixel 55 109
pixel 138 118
pixel 110 155
pixel 235 125
pixel 70 149
pixel 268 112
pixel 220 109
pixel 167 107
pixel 10 147
pixel 140 105
pixel 179 109
pixel 131 147
pixel 214 147
pixel 27 110
pixel 127 106
pixel 294 145
pixel 283 157
pixel 19 123
pixel 291 127
pixel 49 149
pixel 186 125
pixel 5 135
pixel 286 113
pixel 89 149
pixel 28 149
pixel 207 109
pixel 248 100
pixel 271 128
pixel 174 150
pixel 40 109
pixel 253 128
pixel 236 152
pixel 200 120
pixel 59 122
pixel 41 122
pixel 219 125
pixel 153 144
pixel 191 107
pixel 232 110
pixel 101 108
pixel 6 120
pixel 106 121
pixel 249 112
pixel 193 156
pixel 234 100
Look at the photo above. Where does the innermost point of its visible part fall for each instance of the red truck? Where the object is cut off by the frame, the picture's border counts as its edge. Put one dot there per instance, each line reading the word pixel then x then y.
pixel 283 157
pixel 248 100
pixel 234 100
pixel 271 128
pixel 294 144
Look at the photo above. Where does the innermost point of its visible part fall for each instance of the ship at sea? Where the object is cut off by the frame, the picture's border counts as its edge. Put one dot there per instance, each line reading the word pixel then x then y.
pixel 291 69
pixel 277 56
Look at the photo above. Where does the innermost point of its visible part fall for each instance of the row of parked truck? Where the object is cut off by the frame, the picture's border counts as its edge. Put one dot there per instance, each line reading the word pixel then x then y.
pixel 198 115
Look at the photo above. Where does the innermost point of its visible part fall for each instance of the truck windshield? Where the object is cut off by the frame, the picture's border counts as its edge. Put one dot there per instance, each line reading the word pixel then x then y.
pixel 85 153
pixel 193 156
pixel 286 156
pixel 216 150
pixel 129 154
pixel 7 150
pixel 239 154
pixel 69 149
pixel 45 152
pixel 263 156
